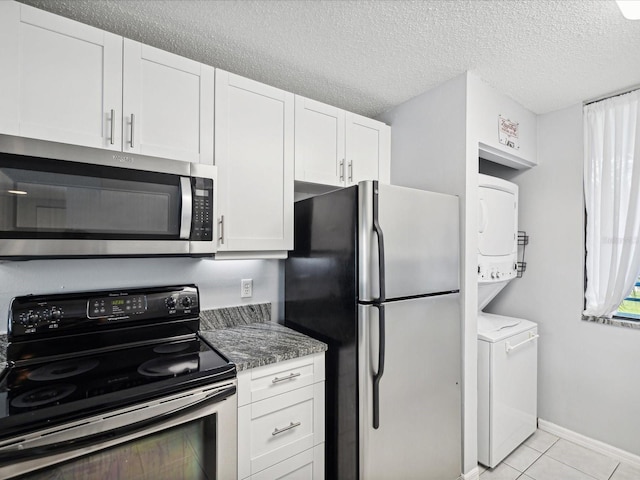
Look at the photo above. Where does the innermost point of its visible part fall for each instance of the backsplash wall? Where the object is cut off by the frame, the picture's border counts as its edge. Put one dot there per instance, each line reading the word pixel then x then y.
pixel 218 280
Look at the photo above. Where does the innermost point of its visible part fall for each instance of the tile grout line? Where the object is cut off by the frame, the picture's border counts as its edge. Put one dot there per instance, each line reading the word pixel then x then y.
pixel 566 465
pixel 614 471
pixel 592 451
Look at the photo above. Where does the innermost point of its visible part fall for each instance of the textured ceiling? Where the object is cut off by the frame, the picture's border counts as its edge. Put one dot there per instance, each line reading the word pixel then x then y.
pixel 369 55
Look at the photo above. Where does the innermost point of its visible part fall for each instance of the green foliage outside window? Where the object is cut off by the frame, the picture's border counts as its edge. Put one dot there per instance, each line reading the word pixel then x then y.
pixel 630 306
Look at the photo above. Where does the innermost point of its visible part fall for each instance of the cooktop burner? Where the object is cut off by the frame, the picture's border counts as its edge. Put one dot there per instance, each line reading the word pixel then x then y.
pixel 59 370
pixel 39 397
pixel 169 366
pixel 86 364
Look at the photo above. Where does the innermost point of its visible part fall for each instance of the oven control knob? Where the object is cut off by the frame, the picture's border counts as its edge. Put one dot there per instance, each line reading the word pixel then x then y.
pixel 56 314
pixel 171 303
pixel 186 302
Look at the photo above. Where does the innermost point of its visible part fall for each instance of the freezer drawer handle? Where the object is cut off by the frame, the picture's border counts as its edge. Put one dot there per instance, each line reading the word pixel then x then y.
pixel 291 376
pixel 532 336
pixel 278 431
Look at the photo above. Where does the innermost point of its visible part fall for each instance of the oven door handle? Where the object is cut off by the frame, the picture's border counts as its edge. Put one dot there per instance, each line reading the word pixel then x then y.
pixel 13 456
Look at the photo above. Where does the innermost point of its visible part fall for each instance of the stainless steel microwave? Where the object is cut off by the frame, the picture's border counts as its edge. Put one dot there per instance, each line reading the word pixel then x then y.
pixel 59 200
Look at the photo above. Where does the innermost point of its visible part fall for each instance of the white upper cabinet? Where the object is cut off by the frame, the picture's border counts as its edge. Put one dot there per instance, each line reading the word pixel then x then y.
pixel 506 131
pixel 320 144
pixel 339 148
pixel 254 154
pixel 61 80
pixel 65 82
pixel 368 149
pixel 167 105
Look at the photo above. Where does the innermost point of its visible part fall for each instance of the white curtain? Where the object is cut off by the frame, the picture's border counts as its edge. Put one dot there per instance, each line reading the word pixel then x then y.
pixel 612 196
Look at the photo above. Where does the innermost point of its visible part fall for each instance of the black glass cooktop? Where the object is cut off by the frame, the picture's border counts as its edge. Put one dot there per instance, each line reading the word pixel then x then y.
pixel 50 392
pixel 79 354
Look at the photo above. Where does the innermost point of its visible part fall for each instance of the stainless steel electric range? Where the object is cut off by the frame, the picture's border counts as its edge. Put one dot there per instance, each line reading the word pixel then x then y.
pixel 115 384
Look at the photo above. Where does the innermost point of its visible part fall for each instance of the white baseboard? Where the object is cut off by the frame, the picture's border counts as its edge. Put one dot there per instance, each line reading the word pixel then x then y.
pixel 600 447
pixel 472 475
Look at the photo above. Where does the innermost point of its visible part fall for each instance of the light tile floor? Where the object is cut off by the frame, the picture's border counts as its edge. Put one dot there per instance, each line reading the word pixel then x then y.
pixel 546 457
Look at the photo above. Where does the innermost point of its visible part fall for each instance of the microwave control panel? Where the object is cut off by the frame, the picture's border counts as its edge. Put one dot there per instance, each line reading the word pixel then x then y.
pixel 202 223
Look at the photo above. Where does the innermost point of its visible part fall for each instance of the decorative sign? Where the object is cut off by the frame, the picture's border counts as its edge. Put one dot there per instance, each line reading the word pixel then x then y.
pixel 508 132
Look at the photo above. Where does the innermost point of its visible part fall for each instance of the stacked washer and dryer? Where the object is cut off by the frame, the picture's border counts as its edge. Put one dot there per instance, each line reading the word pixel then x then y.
pixel 507 346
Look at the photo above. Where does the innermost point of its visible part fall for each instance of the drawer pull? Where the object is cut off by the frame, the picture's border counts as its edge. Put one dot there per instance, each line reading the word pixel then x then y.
pixel 288 377
pixel 277 431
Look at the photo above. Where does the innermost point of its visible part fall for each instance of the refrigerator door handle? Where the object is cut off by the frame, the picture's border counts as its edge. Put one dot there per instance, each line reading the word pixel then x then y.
pixel 378 232
pixel 380 372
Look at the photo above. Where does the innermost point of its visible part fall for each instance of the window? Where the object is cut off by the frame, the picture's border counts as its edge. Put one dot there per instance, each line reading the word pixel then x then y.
pixel 630 306
pixel 612 205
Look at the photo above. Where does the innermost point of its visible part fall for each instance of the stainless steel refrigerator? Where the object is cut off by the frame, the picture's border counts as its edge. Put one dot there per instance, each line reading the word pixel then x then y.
pixel 375 274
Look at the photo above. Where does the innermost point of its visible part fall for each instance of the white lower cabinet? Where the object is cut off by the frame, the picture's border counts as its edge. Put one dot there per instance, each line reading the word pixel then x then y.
pixel 308 465
pixel 281 420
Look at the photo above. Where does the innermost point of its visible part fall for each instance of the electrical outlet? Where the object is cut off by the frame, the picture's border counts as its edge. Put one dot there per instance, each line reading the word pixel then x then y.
pixel 246 288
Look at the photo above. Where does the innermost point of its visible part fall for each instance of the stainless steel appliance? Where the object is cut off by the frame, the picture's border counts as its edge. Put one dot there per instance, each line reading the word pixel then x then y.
pixel 115 384
pixel 60 200
pixel 375 275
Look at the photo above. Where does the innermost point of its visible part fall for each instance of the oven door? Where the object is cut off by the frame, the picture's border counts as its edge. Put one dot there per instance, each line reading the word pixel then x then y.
pixel 191 434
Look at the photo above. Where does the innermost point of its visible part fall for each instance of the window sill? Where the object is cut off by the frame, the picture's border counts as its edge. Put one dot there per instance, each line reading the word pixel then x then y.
pixel 615 321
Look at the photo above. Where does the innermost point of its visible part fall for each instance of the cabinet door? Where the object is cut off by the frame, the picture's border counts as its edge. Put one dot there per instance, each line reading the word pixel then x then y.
pixel 367 149
pixel 319 145
pixel 254 154
pixel 506 131
pixel 167 105
pixel 61 80
pixel 308 465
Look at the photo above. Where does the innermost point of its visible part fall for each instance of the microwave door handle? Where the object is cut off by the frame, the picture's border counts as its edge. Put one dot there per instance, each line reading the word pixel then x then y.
pixel 12 456
pixel 187 208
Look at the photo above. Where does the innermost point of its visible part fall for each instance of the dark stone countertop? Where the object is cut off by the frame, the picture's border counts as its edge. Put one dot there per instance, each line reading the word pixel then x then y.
pixel 261 343
pixel 3 350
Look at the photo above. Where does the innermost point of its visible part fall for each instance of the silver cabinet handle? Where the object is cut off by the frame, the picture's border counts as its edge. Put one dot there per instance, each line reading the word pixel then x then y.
pixel 288 377
pixel 221 223
pixel 532 336
pixel 342 170
pixel 133 120
pixel 278 431
pixel 350 170
pixel 113 125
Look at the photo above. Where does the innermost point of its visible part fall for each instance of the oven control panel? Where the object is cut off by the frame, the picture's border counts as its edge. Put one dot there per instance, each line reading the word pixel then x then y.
pixel 61 314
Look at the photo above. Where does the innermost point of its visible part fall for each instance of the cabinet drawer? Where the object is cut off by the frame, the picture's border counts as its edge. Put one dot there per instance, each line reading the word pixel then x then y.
pixel 277 428
pixel 264 382
pixel 308 465
pixel 280 427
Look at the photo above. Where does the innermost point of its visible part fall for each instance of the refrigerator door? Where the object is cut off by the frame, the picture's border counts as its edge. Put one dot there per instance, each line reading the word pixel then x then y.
pixel 415 232
pixel 419 415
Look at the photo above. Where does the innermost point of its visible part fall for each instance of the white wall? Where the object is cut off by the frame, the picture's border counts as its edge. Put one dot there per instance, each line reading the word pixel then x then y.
pixel 218 280
pixel 589 378
pixel 429 151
